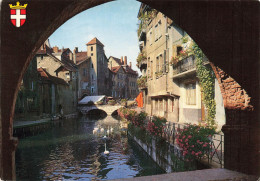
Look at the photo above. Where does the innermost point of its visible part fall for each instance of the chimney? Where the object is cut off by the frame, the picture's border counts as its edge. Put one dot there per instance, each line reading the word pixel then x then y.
pixel 56 49
pixel 130 65
pixel 121 60
pixel 125 62
pixel 75 51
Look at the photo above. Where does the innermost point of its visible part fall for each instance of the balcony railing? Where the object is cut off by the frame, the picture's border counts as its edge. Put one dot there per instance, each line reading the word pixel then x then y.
pixel 184 65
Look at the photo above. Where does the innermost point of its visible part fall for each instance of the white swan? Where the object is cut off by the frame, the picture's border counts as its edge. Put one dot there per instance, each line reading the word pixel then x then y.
pixel 106 151
pixel 102 130
pixel 95 130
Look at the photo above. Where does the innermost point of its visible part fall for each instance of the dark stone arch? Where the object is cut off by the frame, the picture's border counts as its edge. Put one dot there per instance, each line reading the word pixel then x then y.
pixel 97 110
pixel 227 32
pixel 114 113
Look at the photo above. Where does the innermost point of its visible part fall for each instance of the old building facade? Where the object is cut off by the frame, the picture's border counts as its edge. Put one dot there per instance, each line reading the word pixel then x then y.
pixel 119 82
pixel 58 65
pixel 170 87
pixel 93 72
pixel 83 63
pixel 28 98
pixel 55 95
pixel 125 76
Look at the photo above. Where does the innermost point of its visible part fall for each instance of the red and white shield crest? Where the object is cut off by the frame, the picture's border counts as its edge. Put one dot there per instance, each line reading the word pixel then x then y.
pixel 18 14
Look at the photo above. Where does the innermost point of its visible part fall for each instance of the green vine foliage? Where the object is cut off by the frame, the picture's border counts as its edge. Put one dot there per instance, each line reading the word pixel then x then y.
pixel 207 83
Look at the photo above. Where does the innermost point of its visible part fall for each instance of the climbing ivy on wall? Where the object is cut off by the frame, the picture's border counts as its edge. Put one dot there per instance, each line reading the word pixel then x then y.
pixel 207 83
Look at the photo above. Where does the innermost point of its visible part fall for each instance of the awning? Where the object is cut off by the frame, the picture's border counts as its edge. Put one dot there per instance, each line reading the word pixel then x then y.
pixel 95 99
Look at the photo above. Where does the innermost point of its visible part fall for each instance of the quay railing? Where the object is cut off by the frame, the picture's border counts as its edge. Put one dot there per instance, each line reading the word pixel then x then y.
pixel 215 156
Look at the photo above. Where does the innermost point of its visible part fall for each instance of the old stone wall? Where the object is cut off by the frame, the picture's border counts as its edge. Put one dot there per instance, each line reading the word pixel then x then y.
pixel 48 63
pixel 241 129
pixel 84 79
pixel 66 98
pixel 234 96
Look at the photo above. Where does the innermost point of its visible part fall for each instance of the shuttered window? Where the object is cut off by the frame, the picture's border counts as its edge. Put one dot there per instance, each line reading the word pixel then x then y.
pixel 191 94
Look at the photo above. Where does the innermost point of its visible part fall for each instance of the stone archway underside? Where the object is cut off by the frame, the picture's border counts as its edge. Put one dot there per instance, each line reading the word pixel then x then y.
pixel 227 32
pixel 108 109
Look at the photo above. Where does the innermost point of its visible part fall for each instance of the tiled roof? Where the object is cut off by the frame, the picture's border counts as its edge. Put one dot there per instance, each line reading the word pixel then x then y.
pixel 83 61
pixel 65 67
pixel 81 56
pixel 94 41
pixel 117 60
pixel 126 68
pixel 130 70
pixel 67 63
pixel 65 49
pixel 47 77
pixel 61 50
pixel 116 68
pixel 44 49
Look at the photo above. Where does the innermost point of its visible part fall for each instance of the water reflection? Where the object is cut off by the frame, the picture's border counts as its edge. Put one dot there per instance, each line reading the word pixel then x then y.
pixel 75 150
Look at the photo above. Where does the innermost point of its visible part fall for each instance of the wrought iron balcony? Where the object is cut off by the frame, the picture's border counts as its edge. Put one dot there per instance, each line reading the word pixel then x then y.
pixel 186 66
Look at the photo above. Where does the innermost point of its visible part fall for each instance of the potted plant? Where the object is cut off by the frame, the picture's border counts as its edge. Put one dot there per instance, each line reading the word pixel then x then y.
pixel 141 57
pixel 142 82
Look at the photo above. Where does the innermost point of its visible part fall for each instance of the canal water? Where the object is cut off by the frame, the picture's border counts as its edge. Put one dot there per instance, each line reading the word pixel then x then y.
pixel 87 148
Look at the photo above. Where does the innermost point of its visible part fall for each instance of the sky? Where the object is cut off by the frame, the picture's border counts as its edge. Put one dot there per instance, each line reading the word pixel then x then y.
pixel 113 23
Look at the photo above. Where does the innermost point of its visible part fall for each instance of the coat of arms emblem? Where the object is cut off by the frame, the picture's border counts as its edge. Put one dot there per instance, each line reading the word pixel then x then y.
pixel 18 14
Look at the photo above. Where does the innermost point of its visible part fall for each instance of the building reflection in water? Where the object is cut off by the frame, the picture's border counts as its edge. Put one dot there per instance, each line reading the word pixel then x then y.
pixel 61 160
pixel 75 151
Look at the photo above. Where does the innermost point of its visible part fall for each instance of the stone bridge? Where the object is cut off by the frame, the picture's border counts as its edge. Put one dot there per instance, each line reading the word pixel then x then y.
pixel 109 109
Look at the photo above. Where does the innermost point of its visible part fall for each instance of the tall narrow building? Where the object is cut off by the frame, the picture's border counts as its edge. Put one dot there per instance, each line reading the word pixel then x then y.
pixel 98 68
pixel 169 81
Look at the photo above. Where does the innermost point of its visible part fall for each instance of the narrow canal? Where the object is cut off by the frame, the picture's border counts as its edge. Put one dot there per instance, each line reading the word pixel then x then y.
pixel 75 150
